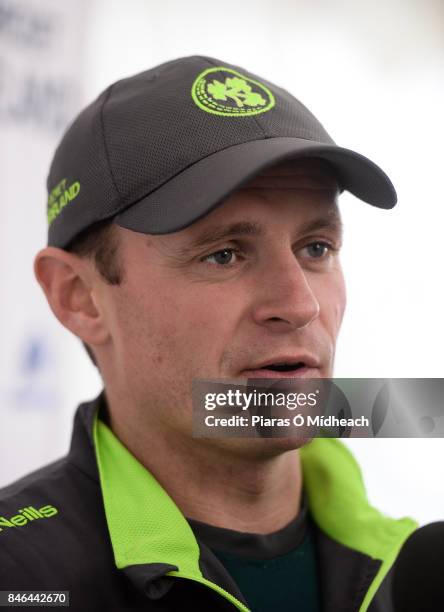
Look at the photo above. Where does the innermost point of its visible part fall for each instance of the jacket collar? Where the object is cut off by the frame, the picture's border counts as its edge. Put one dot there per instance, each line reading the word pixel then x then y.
pixel 152 539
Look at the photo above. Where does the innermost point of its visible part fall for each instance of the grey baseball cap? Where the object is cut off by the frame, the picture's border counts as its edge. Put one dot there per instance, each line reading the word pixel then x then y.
pixel 159 150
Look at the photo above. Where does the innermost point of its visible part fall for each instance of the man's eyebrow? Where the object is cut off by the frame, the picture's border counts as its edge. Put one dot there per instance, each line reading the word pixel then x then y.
pixel 226 232
pixel 330 221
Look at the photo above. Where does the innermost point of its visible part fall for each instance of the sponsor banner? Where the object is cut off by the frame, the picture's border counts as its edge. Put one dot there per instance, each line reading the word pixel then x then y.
pixel 319 407
pixel 41 76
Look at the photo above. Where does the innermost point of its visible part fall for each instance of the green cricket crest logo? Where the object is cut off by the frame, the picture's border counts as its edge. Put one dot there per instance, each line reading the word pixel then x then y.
pixel 223 91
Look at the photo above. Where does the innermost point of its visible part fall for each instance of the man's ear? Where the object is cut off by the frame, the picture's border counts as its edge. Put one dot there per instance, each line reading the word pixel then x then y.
pixel 68 282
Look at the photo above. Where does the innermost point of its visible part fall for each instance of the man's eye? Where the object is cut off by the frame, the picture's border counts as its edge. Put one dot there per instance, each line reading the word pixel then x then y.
pixel 318 249
pixel 223 257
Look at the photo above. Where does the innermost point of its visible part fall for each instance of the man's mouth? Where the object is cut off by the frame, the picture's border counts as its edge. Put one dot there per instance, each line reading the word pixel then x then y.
pixel 284 369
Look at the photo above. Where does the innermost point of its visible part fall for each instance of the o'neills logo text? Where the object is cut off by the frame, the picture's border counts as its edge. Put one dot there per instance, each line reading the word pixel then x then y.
pixel 26 515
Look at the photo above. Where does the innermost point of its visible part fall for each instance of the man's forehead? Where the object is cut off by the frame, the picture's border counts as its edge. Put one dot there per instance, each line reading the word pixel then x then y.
pixel 306 173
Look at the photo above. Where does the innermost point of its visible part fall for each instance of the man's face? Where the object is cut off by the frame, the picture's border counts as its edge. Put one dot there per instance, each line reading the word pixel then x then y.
pixel 256 282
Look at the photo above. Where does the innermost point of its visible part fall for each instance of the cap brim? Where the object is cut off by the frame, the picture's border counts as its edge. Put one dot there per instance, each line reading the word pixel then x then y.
pixel 198 189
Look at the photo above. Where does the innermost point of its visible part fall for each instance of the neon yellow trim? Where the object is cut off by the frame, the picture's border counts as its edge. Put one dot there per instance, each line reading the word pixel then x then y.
pixel 146 526
pixel 144 523
pixel 230 112
pixel 339 505
pixel 160 535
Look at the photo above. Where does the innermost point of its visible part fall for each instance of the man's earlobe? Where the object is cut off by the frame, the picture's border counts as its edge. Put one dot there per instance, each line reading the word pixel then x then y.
pixel 67 283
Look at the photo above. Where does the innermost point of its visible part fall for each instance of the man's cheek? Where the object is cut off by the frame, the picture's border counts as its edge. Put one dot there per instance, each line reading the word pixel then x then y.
pixel 333 299
pixel 341 304
pixel 331 315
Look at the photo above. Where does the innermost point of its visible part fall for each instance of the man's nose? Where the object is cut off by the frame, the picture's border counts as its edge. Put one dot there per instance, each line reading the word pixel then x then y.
pixel 285 299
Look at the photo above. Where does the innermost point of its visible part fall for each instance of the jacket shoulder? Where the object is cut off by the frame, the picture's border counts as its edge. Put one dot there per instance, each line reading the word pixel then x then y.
pixel 49 520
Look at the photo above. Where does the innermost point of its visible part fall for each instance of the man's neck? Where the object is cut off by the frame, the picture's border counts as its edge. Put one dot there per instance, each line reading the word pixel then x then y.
pixel 218 484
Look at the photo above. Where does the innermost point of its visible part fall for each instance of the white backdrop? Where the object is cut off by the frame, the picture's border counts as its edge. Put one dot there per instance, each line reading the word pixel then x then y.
pixel 372 72
pixel 41 80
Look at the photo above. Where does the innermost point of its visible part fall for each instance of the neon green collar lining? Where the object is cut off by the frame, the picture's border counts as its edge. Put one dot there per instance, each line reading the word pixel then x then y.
pixel 339 505
pixel 146 526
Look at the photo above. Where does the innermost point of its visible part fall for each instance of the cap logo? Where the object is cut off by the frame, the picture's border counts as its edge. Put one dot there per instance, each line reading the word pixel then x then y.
pixel 226 92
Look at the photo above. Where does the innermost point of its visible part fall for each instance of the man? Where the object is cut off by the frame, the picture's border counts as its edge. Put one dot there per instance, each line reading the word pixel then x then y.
pixel 194 233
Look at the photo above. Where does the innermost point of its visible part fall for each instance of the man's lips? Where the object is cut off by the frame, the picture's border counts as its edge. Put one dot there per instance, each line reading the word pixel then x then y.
pixel 302 372
pixel 285 366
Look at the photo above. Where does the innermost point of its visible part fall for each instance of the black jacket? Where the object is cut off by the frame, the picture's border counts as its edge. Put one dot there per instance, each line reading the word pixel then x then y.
pixel 76 526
